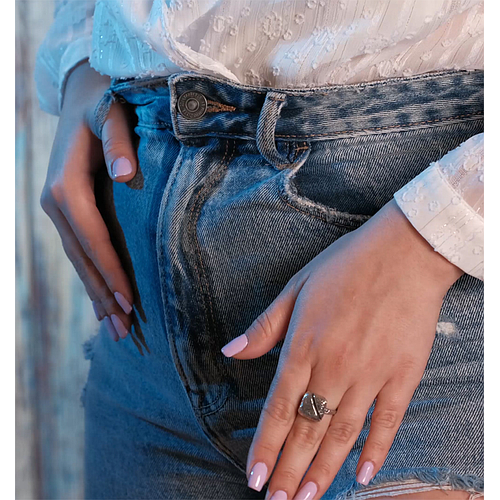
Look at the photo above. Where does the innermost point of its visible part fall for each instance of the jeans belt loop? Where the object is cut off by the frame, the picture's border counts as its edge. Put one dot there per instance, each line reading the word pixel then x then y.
pixel 101 111
pixel 266 128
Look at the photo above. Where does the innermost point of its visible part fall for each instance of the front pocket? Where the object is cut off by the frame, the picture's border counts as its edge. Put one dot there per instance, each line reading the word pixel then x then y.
pixel 346 180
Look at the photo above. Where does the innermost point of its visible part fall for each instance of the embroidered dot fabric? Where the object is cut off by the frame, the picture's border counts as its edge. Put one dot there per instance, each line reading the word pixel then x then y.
pixel 292 44
pixel 445 203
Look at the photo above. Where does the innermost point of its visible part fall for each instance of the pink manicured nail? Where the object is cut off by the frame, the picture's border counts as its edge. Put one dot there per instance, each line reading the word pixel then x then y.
pixel 96 312
pixel 258 475
pixel 121 166
pixel 365 473
pixel 279 495
pixel 307 492
pixel 235 346
pixel 119 326
pixel 110 328
pixel 124 303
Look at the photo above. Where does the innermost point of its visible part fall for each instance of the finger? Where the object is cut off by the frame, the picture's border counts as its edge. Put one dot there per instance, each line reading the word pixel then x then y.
pixel 277 417
pixel 117 144
pixel 392 402
pixel 72 248
pixel 269 327
pixel 105 305
pixel 99 311
pixel 86 222
pixel 305 438
pixel 111 329
pixel 338 441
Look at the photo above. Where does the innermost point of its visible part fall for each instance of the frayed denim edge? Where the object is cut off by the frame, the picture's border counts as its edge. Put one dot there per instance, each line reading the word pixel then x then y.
pixel 88 353
pixel 433 475
pixel 88 347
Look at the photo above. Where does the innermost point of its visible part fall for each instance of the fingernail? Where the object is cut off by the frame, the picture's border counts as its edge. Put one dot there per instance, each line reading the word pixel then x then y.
pixel 279 495
pixel 96 312
pixel 110 328
pixel 365 473
pixel 121 166
pixel 119 326
pixel 257 476
pixel 124 303
pixel 307 492
pixel 235 346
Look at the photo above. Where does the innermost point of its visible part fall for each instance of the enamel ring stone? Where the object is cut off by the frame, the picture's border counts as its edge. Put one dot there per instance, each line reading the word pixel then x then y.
pixel 314 407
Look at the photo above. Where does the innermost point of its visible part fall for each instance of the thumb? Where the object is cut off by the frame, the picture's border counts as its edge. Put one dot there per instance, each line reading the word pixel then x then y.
pixel 117 144
pixel 269 327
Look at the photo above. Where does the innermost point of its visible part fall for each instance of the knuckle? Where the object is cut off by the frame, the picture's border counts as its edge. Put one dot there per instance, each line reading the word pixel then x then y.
pixel 46 201
pixel 265 446
pixel 280 410
pixel 378 447
pixel 305 435
pixel 288 475
pixel 340 432
pixel 295 283
pixel 340 358
pixel 96 248
pixel 91 246
pixel 78 265
pixel 264 326
pixel 387 418
pixel 78 261
pixel 407 367
pixel 57 193
pixel 300 349
pixel 114 145
pixel 108 301
pixel 325 469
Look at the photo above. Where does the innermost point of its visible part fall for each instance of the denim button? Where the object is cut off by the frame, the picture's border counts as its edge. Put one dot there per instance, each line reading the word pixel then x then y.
pixel 192 104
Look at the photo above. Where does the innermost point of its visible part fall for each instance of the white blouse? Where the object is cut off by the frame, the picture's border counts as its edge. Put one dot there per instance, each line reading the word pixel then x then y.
pixel 294 44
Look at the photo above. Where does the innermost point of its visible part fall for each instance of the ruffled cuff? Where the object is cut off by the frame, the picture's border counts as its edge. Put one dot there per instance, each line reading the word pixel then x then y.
pixel 51 85
pixel 441 215
pixel 75 54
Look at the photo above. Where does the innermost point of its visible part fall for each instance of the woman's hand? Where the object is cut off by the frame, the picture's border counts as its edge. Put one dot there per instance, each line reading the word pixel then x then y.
pixel 68 195
pixel 359 321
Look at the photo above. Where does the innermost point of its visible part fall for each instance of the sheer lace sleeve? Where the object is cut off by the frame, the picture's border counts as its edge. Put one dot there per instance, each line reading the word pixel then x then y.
pixel 67 43
pixel 445 203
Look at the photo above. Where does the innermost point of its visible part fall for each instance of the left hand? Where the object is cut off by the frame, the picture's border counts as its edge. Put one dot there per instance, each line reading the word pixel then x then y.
pixel 359 321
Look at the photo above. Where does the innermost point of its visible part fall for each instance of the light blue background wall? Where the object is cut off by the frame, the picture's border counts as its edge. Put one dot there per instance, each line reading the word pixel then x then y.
pixel 53 314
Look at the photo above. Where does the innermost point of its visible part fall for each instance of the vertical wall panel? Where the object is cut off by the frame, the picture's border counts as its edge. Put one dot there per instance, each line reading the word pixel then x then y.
pixel 53 314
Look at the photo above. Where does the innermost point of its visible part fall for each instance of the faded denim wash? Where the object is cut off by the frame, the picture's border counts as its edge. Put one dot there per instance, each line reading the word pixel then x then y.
pixel 224 210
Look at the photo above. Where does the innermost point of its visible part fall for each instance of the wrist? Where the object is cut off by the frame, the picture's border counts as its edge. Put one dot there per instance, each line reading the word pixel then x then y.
pixel 84 84
pixel 401 233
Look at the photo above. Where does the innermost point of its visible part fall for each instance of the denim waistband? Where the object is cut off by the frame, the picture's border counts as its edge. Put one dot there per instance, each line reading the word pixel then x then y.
pixel 235 110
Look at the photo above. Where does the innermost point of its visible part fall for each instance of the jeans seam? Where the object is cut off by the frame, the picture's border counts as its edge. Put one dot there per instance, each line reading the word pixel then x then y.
pixel 346 225
pixel 477 113
pixel 335 87
pixel 149 83
pixel 352 221
pixel 244 136
pixel 200 270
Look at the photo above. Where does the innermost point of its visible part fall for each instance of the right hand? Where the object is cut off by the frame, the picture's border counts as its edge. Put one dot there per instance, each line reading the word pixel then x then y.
pixel 68 194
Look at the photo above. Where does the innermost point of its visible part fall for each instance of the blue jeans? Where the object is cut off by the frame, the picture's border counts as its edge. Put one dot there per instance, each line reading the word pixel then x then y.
pixel 238 188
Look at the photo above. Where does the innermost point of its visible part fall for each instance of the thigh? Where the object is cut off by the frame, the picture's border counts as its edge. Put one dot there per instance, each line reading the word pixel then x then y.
pixel 252 227
pixel 142 437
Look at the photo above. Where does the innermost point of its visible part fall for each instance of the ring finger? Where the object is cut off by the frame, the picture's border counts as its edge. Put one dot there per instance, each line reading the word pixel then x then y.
pixel 303 442
pixel 338 441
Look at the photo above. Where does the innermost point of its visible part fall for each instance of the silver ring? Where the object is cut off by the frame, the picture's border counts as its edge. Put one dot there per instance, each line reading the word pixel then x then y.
pixel 314 407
